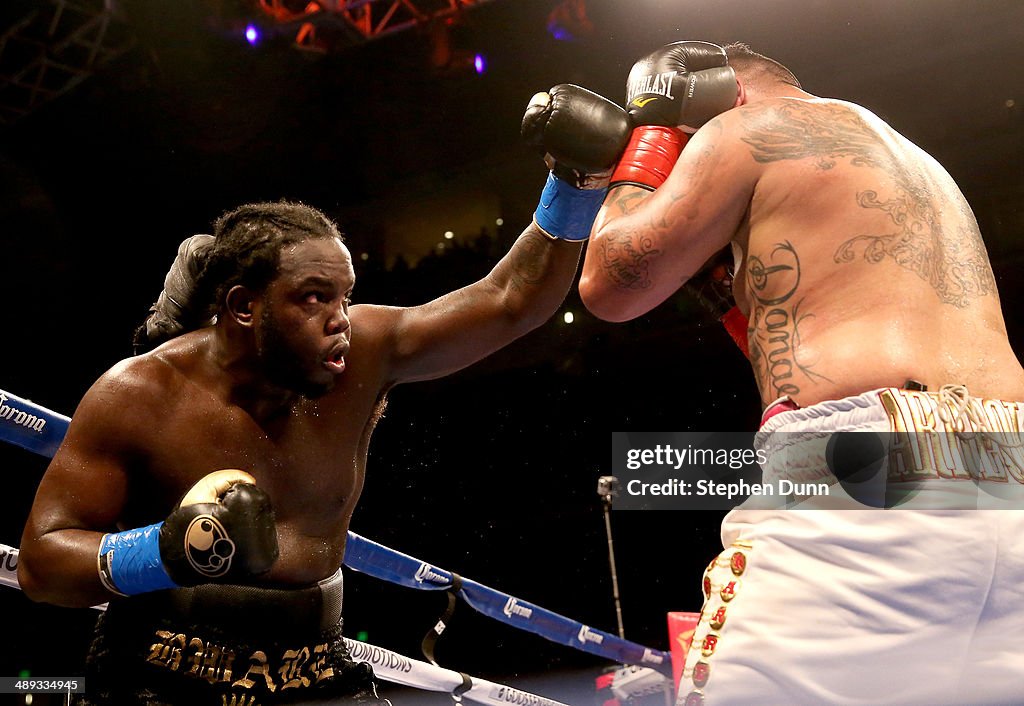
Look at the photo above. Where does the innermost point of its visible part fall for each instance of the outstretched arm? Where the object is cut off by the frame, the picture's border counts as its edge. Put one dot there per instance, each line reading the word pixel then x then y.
pixel 583 134
pixel 523 291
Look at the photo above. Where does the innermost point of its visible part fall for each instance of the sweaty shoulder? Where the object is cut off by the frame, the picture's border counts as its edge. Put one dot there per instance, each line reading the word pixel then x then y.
pixel 137 383
pixel 375 331
pixel 373 325
pixel 118 413
pixel 819 132
pixel 824 130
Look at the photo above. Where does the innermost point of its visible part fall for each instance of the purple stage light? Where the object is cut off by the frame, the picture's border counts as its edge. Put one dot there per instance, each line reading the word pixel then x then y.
pixel 252 35
pixel 479 63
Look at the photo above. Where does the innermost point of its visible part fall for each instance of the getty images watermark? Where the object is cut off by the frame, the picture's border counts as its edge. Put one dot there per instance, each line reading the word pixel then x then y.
pixel 688 471
pixel 817 470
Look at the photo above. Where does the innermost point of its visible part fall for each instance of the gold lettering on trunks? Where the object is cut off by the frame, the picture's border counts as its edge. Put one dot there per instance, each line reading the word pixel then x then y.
pixel 195 657
pixel 319 669
pixel 257 667
pixel 212 662
pixel 167 652
pixel 196 649
pixel 937 437
pixel 238 700
pixel 291 668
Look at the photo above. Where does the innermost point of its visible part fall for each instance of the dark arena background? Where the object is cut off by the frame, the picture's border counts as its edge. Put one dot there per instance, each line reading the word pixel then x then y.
pixel 127 125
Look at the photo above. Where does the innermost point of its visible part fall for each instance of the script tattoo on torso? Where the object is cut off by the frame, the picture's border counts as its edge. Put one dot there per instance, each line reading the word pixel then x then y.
pixel 954 265
pixel 773 332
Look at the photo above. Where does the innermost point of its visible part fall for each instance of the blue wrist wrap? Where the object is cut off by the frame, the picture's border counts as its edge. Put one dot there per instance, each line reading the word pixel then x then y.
pixel 565 212
pixel 129 561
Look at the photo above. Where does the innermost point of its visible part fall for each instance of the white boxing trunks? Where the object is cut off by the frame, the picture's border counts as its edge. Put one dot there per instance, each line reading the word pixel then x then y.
pixel 918 607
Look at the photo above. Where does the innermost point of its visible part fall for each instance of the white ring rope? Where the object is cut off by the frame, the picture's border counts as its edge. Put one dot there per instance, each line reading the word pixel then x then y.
pixel 387 665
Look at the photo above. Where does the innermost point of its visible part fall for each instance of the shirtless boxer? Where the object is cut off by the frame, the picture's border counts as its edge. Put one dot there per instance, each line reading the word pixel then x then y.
pixel 224 585
pixel 871 304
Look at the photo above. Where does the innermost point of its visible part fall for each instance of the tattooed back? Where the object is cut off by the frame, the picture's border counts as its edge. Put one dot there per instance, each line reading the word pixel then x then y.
pixel 860 262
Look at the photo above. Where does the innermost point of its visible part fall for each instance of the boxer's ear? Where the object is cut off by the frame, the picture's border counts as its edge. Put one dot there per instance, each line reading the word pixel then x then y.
pixel 239 303
pixel 741 93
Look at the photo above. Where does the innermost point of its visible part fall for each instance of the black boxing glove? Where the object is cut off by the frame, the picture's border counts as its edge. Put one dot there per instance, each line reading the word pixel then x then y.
pixel 176 309
pixel 670 93
pixel 222 530
pixel 683 84
pixel 582 135
pixel 581 130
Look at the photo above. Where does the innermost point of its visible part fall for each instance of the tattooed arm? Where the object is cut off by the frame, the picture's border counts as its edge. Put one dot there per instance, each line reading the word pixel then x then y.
pixel 646 245
pixel 522 292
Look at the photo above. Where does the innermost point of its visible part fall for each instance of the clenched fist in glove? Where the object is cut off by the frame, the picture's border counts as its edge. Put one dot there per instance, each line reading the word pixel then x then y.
pixel 222 530
pixel 582 135
pixel 671 93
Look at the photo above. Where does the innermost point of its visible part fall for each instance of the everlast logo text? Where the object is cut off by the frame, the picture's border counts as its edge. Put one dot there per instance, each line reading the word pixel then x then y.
pixel 658 84
pixel 587 635
pixel 652 658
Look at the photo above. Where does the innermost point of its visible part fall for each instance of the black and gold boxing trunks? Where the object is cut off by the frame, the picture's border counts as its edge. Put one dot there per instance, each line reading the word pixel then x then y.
pixel 224 645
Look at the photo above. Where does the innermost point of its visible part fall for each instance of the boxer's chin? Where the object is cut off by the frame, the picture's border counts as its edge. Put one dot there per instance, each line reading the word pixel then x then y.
pixel 315 390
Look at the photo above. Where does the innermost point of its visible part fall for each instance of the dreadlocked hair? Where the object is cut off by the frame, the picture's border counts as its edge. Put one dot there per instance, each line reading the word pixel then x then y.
pixel 245 250
pixel 247 247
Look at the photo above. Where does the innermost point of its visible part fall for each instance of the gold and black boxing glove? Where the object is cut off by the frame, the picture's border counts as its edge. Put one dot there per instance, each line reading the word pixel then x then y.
pixel 223 530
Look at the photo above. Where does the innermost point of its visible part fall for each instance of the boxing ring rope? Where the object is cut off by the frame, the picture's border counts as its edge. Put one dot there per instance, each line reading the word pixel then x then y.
pixel 381 562
pixel 30 426
pixel 40 430
pixel 387 665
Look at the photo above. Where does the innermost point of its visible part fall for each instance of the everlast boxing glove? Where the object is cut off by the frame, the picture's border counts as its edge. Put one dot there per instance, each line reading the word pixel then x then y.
pixel 223 530
pixel 584 134
pixel 683 84
pixel 671 93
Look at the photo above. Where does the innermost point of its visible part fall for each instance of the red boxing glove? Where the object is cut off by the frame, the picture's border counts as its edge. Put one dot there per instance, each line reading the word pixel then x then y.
pixel 649 156
pixel 735 324
pixel 712 287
